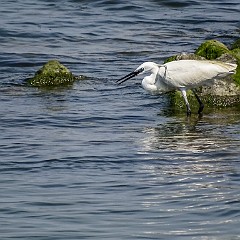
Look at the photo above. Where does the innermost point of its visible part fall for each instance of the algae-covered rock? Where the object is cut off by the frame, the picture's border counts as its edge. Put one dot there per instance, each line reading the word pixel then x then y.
pixel 184 56
pixel 228 58
pixel 235 51
pixel 211 49
pixel 236 77
pixel 53 73
pixel 236 44
pixel 222 92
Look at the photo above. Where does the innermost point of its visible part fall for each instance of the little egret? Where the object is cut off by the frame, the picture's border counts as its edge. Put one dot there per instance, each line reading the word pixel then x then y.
pixel 181 75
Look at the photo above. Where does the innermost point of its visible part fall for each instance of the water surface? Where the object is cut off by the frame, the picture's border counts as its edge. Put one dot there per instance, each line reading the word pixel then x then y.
pixel 100 161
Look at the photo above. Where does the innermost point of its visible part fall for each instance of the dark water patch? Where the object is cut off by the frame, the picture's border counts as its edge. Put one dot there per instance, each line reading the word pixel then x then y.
pixel 176 4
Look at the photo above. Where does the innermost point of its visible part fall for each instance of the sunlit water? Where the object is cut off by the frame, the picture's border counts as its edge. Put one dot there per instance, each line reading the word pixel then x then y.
pixel 101 161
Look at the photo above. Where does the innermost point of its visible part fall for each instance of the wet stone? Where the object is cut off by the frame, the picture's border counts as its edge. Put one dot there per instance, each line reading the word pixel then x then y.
pixel 223 92
pixel 53 73
pixel 211 49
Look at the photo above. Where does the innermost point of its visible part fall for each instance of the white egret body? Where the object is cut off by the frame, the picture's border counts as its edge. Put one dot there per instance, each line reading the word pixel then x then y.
pixel 181 75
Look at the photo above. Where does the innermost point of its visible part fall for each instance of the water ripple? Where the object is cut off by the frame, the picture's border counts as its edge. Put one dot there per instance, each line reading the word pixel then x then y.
pixel 99 161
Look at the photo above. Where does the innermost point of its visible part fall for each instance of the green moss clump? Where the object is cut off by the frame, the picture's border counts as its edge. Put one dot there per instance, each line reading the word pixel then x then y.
pixel 53 73
pixel 211 49
pixel 236 53
pixel 236 44
pixel 170 59
pixel 236 76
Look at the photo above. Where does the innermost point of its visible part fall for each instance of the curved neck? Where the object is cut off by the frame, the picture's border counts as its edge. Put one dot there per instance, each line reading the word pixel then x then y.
pixel 155 70
pixel 151 79
pixel 149 82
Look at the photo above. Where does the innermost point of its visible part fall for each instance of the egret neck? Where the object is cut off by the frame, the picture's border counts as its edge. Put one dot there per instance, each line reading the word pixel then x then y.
pixel 149 82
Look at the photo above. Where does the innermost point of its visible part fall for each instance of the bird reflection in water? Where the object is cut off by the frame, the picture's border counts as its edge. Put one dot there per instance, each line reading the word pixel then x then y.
pixel 189 135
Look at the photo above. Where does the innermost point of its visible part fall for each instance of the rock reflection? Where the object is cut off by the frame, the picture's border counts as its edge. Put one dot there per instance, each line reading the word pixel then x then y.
pixel 188 148
pixel 194 135
pixel 192 175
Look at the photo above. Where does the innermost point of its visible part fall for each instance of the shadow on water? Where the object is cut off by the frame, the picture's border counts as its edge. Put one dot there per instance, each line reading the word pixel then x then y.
pixel 175 3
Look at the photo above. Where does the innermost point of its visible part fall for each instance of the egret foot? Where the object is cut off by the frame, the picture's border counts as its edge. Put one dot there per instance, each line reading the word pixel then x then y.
pixel 184 94
pixel 189 112
pixel 201 105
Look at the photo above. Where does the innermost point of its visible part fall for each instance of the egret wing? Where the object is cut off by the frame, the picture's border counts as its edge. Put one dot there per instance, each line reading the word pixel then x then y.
pixel 191 73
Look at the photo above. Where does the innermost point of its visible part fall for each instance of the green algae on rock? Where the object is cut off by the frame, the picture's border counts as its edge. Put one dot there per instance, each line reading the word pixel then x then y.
pixel 184 56
pixel 236 76
pixel 211 49
pixel 235 51
pixel 236 44
pixel 223 92
pixel 53 73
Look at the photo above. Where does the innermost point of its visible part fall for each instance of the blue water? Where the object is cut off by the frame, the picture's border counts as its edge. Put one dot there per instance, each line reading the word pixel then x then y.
pixel 101 161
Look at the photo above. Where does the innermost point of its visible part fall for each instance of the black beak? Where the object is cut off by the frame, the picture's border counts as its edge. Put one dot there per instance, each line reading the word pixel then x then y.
pixel 130 75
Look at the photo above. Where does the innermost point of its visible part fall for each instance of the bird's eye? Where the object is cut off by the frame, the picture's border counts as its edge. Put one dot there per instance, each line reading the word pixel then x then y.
pixel 139 70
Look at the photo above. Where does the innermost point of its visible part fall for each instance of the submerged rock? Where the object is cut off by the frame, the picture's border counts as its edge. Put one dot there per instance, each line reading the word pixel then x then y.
pixel 223 92
pixel 53 73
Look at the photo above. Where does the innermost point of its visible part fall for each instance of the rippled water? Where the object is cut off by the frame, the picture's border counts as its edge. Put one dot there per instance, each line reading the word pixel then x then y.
pixel 99 161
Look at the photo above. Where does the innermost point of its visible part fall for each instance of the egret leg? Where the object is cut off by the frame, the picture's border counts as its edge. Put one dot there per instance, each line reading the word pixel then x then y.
pixel 184 94
pixel 201 105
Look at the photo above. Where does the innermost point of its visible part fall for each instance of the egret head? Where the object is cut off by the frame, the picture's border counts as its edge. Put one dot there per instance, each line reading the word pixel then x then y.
pixel 145 67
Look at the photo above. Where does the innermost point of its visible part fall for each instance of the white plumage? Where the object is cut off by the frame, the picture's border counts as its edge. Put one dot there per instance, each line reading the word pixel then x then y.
pixel 181 75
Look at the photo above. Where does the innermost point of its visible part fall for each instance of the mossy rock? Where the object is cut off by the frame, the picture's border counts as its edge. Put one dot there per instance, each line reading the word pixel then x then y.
pixel 211 49
pixel 53 73
pixel 209 100
pixel 224 92
pixel 236 44
pixel 236 53
pixel 236 76
pixel 184 56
